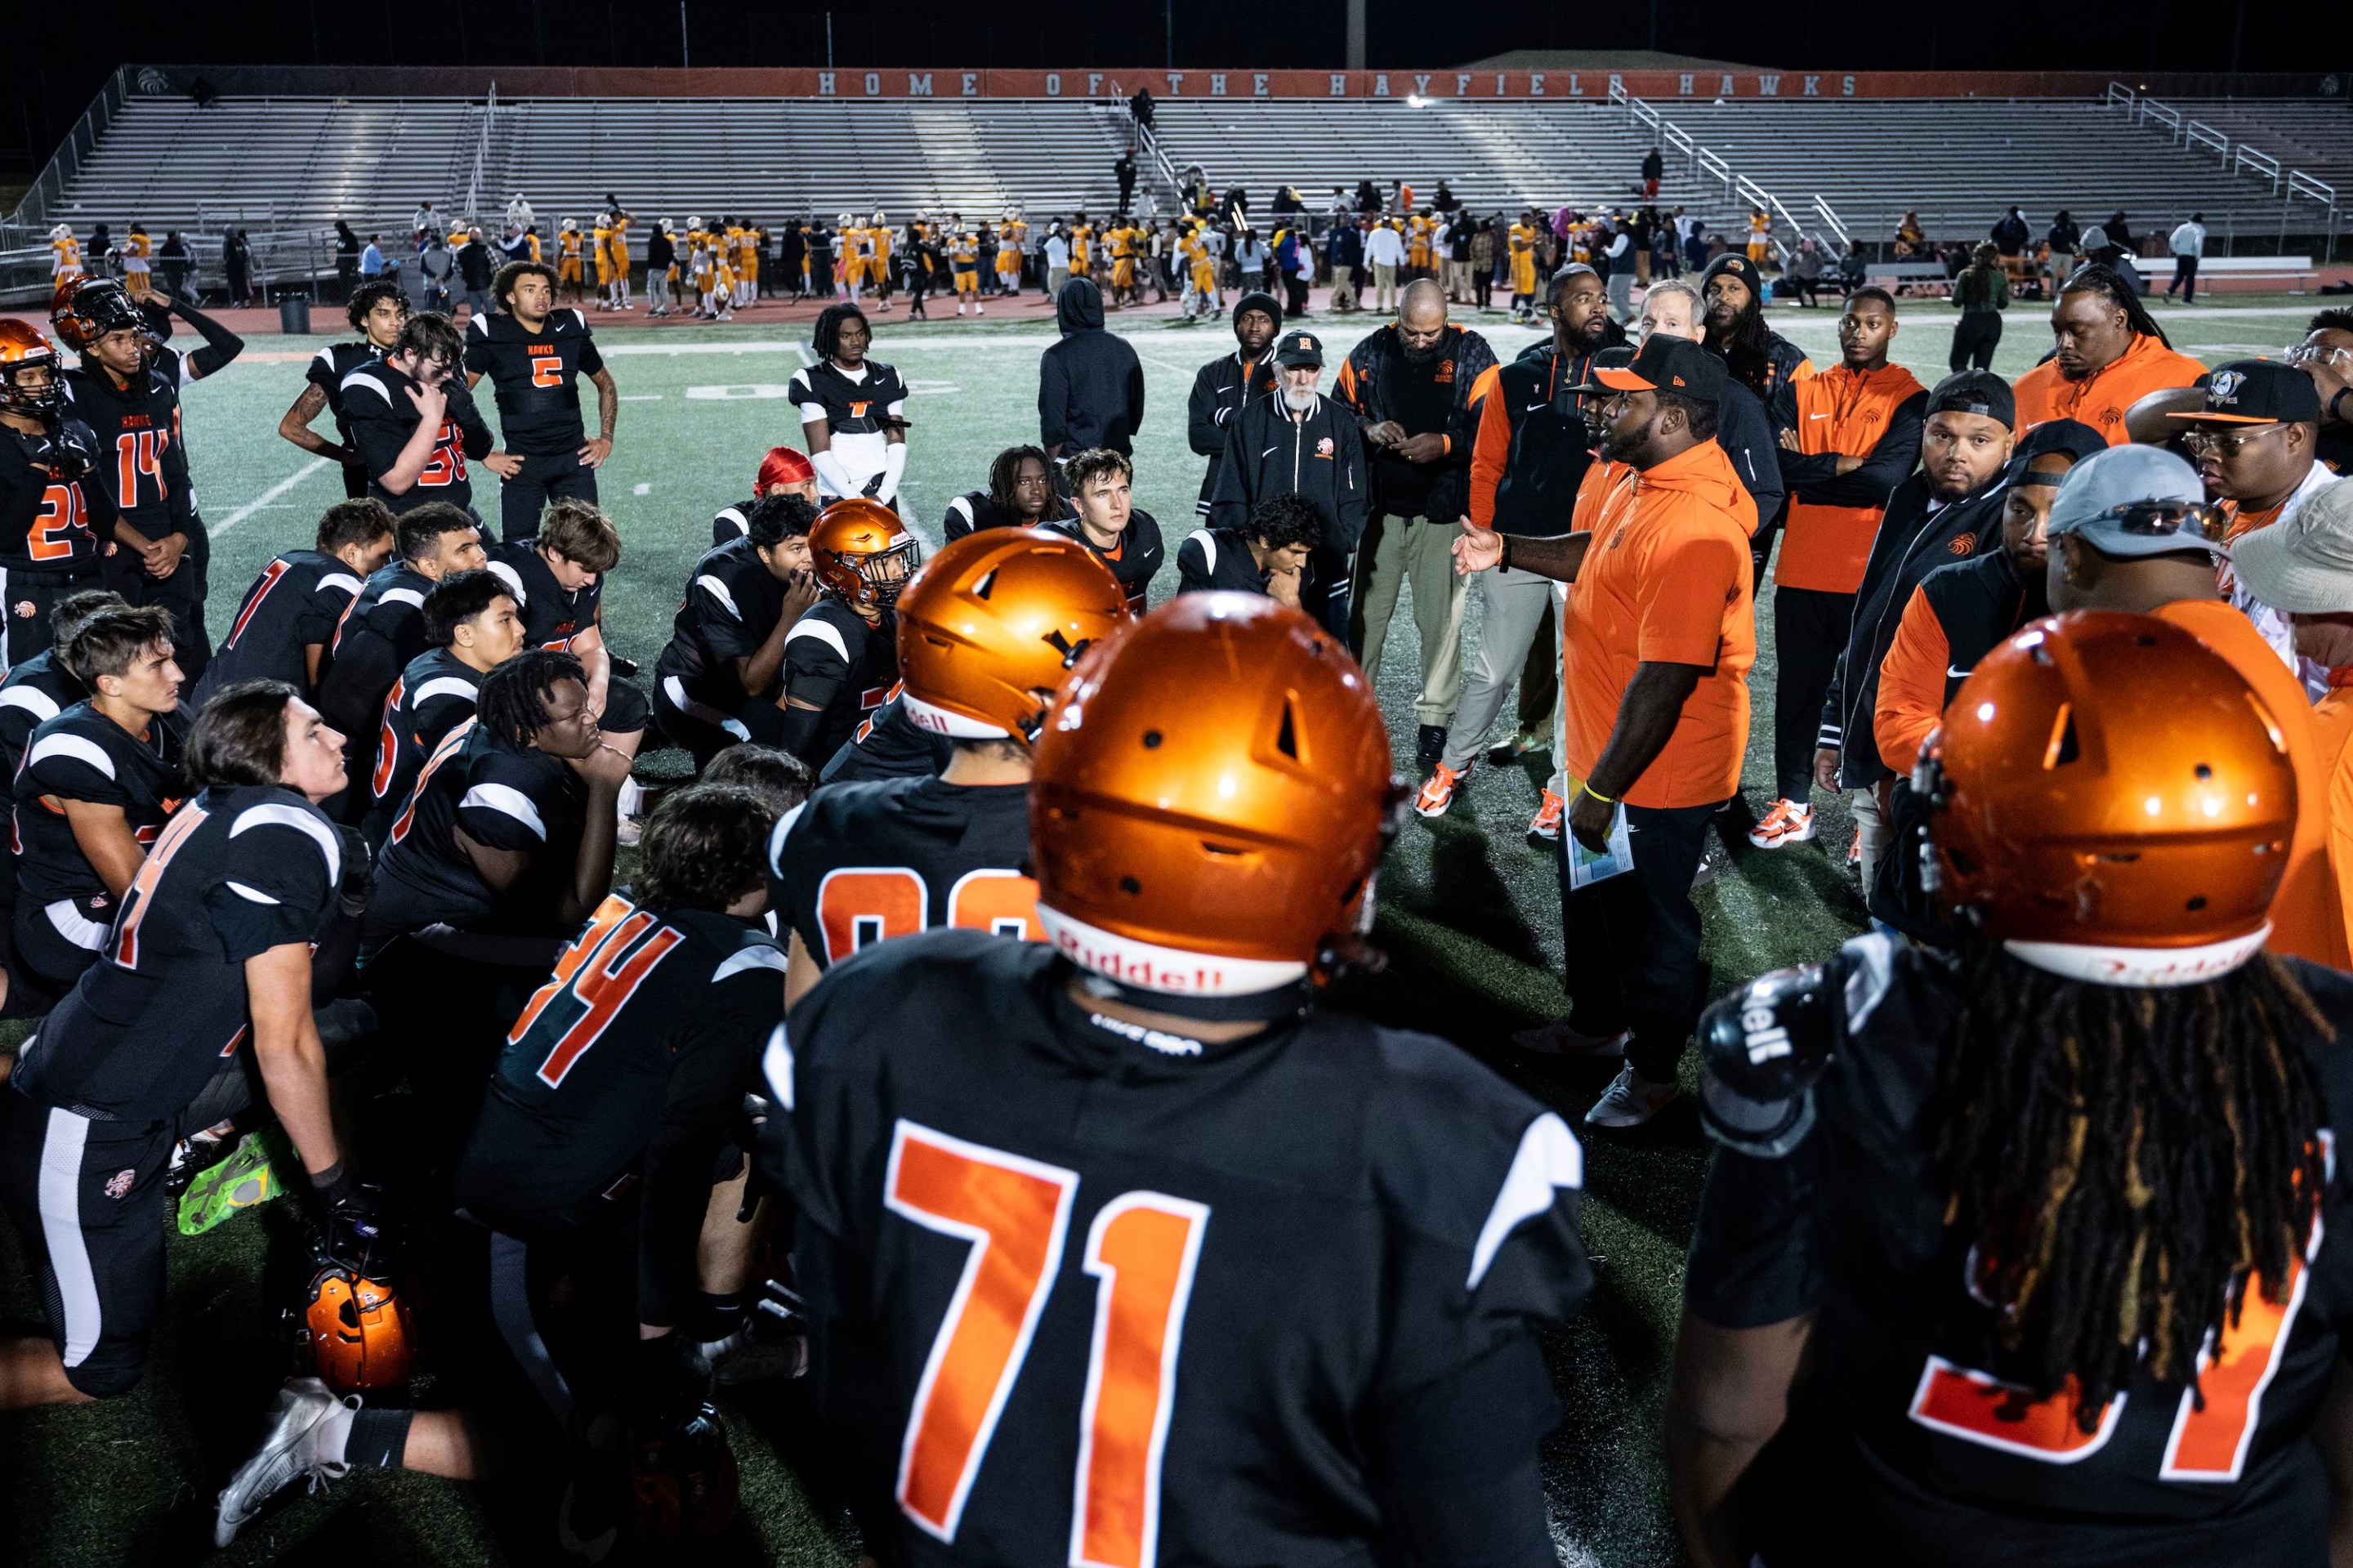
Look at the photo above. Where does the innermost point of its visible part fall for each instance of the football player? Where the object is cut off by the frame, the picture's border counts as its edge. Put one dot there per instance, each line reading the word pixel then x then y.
pixel 567 258
pixel 783 471
pixel 2049 1308
pixel 986 632
pixel 558 579
pixel 616 1100
pixel 1200 1325
pixel 291 614
pixel 720 678
pixel 413 420
pixel 127 390
pixel 201 1003
pixel 38 690
pixel 852 410
pixel 1012 237
pixel 617 244
pixel 1106 519
pixel 878 261
pixel 534 356
pixel 841 656
pixel 65 256
pixel 964 257
pixel 54 506
pixel 1269 555
pixel 378 311
pixel 1020 494
pixel 473 627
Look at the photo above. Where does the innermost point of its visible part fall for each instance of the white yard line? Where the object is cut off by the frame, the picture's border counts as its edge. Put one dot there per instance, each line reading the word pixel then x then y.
pixel 266 497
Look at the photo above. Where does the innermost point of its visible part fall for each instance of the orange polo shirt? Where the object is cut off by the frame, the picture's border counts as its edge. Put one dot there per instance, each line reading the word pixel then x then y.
pixel 2102 398
pixel 1825 548
pixel 2307 918
pixel 1666 580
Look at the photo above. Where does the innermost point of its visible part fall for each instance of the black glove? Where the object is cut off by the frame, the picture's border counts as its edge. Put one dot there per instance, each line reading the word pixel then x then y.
pixel 354 1234
pixel 359 871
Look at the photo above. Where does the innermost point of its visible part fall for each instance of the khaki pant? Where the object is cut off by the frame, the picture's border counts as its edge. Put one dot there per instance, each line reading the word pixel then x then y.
pixel 1514 606
pixel 1344 288
pixel 1055 278
pixel 1873 831
pixel 1393 549
pixel 1457 281
pixel 1384 286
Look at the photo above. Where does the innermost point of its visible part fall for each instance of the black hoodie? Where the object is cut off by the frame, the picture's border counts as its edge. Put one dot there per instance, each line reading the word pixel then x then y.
pixel 1090 385
pixel 1223 389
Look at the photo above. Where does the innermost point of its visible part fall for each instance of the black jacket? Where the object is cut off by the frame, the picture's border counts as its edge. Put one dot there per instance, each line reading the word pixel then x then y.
pixel 1090 385
pixel 1221 389
pixel 1320 456
pixel 1531 447
pixel 1367 383
pixel 1744 430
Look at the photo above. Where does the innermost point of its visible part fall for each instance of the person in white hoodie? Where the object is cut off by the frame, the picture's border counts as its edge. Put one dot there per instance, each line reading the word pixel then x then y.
pixel 2188 243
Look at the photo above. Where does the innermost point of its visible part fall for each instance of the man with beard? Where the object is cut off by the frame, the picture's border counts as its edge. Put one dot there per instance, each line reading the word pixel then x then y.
pixel 1230 383
pixel 1529 455
pixel 2327 355
pixel 1759 358
pixel 1657 641
pixel 1413 381
pixel 1301 443
pixel 2110 355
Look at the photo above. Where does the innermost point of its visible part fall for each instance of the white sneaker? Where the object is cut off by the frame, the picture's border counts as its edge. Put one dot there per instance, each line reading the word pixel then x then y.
pixel 1631 1100
pixel 307 1440
pixel 1787 823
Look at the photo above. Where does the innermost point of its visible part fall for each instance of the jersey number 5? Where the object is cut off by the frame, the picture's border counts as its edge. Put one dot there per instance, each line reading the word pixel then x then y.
pixel 1014 1212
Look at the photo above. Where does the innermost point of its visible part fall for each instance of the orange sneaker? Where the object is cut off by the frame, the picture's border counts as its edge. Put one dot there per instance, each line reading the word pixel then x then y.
pixel 1787 823
pixel 1855 852
pixel 1546 823
pixel 1439 792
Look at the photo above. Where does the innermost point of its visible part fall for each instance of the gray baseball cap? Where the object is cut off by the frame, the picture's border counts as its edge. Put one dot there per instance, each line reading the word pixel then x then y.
pixel 2305 563
pixel 2135 501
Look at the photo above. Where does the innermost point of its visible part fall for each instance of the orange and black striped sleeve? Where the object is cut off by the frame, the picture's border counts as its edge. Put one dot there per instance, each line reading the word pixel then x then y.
pixel 1491 445
pixel 1911 685
pixel 1344 390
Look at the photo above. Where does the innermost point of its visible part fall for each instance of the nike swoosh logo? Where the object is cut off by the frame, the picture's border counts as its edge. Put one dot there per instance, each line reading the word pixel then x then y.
pixel 1952 670
pixel 1817 416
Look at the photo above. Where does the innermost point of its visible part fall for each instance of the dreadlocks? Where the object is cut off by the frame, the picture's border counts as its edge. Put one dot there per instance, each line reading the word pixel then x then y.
pixel 1745 347
pixel 514 702
pixel 2091 278
pixel 1008 468
pixel 2125 1160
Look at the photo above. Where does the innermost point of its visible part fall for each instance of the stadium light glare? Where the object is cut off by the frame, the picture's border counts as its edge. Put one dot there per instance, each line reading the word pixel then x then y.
pixel 1415 101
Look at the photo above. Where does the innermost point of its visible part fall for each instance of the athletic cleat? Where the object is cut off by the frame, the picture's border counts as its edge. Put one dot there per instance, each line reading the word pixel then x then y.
pixel 311 1424
pixel 749 1357
pixel 1437 794
pixel 249 1178
pixel 1855 852
pixel 1631 1100
pixel 1787 823
pixel 1544 826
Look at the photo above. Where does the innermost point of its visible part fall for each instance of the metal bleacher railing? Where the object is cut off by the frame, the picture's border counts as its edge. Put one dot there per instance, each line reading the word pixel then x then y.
pixel 2288 185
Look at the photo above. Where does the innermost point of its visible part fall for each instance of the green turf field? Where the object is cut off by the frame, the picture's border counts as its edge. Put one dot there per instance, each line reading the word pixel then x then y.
pixel 1470 916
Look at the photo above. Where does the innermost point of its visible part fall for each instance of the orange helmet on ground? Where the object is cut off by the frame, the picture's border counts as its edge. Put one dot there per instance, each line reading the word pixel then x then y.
pixel 86 308
pixel 995 619
pixel 851 545
pixel 1212 794
pixel 21 347
pixel 2112 802
pixel 361 1333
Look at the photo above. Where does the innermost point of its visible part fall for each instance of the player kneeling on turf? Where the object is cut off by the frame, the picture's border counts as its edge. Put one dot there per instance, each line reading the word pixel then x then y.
pixel 1273 1271
pixel 720 680
pixel 612 1127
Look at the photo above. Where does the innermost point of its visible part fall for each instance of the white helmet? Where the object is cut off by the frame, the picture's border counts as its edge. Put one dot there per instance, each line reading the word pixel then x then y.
pixel 62 232
pixel 845 220
pixel 571 226
pixel 879 218
pixel 694 224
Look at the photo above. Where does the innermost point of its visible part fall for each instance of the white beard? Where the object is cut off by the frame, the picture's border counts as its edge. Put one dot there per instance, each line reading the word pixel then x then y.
pixel 1297 401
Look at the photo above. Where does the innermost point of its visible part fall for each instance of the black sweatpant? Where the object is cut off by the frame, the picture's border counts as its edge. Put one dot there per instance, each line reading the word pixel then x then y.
pixel 182 593
pixel 1975 338
pixel 1633 940
pixel 1810 632
pixel 541 479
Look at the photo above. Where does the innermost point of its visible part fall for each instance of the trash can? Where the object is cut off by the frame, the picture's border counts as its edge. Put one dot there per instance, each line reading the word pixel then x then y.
pixel 294 315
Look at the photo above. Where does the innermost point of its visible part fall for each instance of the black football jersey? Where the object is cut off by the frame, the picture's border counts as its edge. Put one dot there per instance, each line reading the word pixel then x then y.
pixel 1902 1444
pixel 298 599
pixel 1217 558
pixel 139 459
pixel 551 615
pixel 330 365
pixel 733 603
pixel 55 505
pixel 38 690
pixel 380 416
pixel 972 512
pixel 1133 560
pixel 859 863
pixel 435 695
pixel 889 745
pixel 82 755
pixel 855 410
pixel 235 873
pixel 732 523
pixel 536 376
pixel 506 797
pixel 1105 1294
pixel 831 644
pixel 381 631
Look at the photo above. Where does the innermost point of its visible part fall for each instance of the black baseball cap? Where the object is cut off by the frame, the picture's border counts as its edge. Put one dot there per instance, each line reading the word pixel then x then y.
pixel 1980 392
pixel 2255 392
pixel 1665 365
pixel 1299 348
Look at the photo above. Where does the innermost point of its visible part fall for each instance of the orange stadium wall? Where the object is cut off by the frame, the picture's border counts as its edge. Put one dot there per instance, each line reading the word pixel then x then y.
pixel 528 81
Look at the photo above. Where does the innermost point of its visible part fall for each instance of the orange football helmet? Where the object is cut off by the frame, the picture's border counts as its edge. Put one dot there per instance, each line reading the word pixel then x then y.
pixel 23 347
pixel 362 1335
pixel 1212 794
pixel 852 545
pixel 86 308
pixel 2112 801
pixel 993 621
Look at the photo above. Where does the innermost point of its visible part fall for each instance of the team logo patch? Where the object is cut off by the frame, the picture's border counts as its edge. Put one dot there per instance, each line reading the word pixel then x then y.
pixel 119 1183
pixel 2224 388
pixel 1323 448
pixel 1963 544
pixel 26 610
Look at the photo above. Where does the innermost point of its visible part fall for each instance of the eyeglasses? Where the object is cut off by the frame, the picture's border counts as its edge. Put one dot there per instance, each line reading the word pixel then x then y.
pixel 2309 353
pixel 2200 443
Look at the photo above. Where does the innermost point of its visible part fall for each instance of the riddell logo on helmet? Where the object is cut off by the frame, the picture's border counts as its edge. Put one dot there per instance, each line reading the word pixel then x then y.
pixel 1137 968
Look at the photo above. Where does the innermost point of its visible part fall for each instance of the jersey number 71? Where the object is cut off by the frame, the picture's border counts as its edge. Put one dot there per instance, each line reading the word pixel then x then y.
pixel 1014 1214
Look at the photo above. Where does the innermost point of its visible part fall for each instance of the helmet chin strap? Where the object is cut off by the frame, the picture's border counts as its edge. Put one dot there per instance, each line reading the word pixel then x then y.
pixel 1282 1003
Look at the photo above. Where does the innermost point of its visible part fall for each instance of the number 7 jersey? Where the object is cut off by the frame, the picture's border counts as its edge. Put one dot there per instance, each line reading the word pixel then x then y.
pixel 1084 1292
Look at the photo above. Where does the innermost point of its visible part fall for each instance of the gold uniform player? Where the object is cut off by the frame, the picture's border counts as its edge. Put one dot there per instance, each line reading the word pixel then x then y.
pixel 136 249
pixel 1524 269
pixel 1012 241
pixel 1416 250
pixel 567 258
pixel 64 260
pixel 1122 246
pixel 964 258
pixel 878 261
pixel 747 265
pixel 1082 241
pixel 617 242
pixel 599 239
